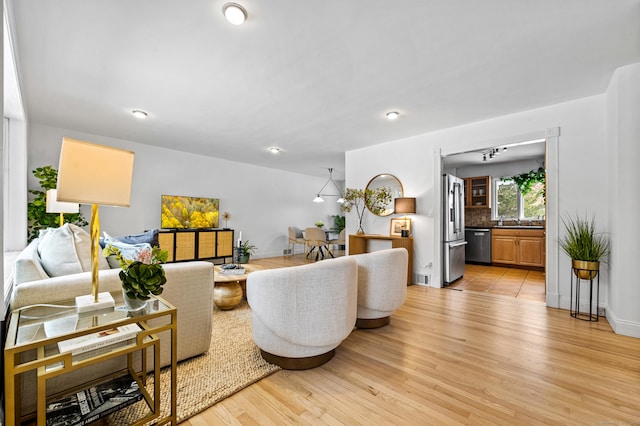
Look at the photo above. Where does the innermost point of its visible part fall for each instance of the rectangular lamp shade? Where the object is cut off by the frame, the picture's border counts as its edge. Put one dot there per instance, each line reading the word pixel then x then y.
pixel 94 174
pixel 404 205
pixel 55 206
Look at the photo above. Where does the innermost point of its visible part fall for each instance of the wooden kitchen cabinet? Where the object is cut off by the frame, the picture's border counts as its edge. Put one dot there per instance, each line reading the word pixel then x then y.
pixel 504 249
pixel 523 247
pixel 476 192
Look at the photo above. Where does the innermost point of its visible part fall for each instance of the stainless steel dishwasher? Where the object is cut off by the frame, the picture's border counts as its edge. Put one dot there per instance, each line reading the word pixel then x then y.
pixel 478 245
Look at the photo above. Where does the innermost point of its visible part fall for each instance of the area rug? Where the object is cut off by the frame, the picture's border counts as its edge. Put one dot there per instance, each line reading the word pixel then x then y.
pixel 232 363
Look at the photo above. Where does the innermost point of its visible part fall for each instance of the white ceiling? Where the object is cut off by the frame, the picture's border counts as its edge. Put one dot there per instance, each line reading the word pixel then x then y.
pixel 314 78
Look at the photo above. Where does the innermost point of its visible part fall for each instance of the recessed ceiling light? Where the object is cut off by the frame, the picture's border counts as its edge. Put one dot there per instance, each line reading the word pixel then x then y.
pixel 274 150
pixel 139 114
pixel 392 115
pixel 234 13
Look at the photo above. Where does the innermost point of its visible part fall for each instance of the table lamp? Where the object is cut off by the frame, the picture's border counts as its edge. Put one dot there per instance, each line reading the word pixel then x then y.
pixel 404 205
pixel 97 175
pixel 55 206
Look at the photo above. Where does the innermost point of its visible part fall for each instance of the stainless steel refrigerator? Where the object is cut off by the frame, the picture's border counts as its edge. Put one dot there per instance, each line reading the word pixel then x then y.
pixel 453 235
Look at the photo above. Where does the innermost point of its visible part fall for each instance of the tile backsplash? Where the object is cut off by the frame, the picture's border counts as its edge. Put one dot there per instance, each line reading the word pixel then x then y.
pixel 482 218
pixel 477 217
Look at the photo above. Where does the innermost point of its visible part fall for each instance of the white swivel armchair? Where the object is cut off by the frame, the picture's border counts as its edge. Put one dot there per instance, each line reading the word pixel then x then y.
pixel 302 313
pixel 382 285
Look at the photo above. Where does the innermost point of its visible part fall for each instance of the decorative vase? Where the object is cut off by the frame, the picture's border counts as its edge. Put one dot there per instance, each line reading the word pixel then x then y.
pixel 133 304
pixel 244 258
pixel 585 270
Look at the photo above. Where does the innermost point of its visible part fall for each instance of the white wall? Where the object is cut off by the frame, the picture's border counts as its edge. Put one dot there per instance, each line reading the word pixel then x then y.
pixel 577 181
pixel 263 202
pixel 623 137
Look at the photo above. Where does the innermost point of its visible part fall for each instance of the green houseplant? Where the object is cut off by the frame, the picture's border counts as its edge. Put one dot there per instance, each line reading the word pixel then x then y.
pixel 37 208
pixel 586 247
pixel 245 251
pixel 141 276
pixel 339 222
pixel 375 199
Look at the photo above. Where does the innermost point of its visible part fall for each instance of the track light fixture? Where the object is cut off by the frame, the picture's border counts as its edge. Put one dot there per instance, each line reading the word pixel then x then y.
pixel 491 153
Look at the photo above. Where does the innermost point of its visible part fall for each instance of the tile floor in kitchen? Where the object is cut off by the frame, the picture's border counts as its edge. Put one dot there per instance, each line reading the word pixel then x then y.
pixel 494 280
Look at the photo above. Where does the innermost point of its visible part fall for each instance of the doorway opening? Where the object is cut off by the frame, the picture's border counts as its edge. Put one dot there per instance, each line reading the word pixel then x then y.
pixel 538 149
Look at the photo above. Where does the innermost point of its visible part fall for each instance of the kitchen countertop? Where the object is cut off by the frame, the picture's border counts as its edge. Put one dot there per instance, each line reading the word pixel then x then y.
pixel 505 227
pixel 518 227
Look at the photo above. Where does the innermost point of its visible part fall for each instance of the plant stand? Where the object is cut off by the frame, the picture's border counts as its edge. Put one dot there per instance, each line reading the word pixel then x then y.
pixel 575 311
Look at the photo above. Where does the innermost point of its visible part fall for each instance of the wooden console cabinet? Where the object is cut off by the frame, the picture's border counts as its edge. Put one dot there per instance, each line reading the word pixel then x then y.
pixel 359 244
pixel 523 247
pixel 196 244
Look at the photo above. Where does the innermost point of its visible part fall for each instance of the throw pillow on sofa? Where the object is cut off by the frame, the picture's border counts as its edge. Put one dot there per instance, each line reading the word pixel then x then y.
pixel 127 251
pixel 150 237
pixel 67 250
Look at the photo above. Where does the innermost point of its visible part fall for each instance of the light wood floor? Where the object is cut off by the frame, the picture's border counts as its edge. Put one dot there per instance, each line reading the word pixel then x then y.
pixel 509 282
pixel 452 357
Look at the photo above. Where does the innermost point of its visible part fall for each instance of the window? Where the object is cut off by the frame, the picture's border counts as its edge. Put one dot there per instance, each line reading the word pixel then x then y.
pixel 509 203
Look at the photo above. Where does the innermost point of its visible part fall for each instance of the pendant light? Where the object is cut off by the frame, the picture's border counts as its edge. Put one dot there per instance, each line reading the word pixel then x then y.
pixel 319 195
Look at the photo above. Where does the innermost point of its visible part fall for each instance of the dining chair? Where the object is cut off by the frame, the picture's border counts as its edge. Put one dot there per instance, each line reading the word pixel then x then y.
pixel 340 241
pixel 296 237
pixel 317 240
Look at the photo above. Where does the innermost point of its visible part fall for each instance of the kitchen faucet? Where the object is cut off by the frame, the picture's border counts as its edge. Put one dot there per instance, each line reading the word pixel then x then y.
pixel 518 221
pixel 500 220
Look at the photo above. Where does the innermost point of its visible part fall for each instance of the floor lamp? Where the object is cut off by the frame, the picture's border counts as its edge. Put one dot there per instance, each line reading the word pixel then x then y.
pixel 55 206
pixel 97 175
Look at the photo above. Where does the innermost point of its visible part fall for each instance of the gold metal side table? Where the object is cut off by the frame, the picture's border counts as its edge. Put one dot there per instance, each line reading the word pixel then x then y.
pixel 26 335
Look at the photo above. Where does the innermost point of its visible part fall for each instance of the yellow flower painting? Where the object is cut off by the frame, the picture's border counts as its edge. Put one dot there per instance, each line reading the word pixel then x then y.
pixel 189 212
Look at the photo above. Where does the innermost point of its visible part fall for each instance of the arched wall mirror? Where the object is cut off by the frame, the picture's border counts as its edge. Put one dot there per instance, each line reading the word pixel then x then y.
pixel 390 181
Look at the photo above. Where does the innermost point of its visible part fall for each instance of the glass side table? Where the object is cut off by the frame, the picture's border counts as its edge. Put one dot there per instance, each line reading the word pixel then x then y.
pixel 40 328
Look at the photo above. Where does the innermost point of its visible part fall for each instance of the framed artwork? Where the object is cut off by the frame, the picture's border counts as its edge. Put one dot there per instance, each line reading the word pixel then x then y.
pixel 400 224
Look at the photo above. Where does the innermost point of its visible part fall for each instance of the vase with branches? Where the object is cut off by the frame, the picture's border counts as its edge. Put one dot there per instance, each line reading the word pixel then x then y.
pixel 226 216
pixel 375 200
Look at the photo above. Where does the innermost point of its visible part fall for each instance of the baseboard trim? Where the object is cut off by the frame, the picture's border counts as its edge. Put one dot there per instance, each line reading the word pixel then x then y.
pixel 623 327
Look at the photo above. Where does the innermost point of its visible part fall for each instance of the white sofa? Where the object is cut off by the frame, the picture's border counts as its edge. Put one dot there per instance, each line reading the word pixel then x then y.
pixel 302 313
pixel 189 288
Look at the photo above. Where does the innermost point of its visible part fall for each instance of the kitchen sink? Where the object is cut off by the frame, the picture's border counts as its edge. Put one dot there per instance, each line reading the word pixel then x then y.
pixel 519 226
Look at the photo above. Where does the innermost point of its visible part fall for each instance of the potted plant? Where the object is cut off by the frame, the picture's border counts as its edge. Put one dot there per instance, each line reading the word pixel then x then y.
pixel 245 251
pixel 37 208
pixel 339 222
pixel 375 199
pixel 586 247
pixel 319 224
pixel 140 276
